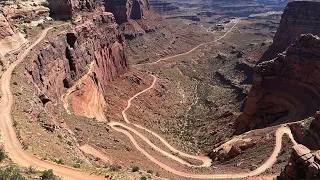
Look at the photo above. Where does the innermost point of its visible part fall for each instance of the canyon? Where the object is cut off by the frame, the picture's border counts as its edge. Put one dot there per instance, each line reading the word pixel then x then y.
pixel 161 89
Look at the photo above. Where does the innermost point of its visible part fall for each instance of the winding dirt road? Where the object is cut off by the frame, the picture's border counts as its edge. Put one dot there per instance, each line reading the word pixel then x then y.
pixel 12 144
pixel 206 161
pixel 18 155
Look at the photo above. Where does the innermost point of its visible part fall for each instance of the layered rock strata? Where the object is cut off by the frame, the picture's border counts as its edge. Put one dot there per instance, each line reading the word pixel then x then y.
pixel 303 164
pixel 92 48
pixel 286 88
pixel 299 17
pixel 125 10
pixel 64 9
pixel 162 6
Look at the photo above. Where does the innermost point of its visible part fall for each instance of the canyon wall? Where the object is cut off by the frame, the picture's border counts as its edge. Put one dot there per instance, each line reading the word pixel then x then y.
pixel 299 17
pixel 93 47
pixel 64 9
pixel 125 10
pixel 285 89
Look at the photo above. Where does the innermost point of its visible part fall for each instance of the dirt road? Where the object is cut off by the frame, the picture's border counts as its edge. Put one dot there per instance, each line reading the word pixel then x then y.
pixel 120 127
pixel 195 48
pixel 125 130
pixel 12 144
pixel 18 155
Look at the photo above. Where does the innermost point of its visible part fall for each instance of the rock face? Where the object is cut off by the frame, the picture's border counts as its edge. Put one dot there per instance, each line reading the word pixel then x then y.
pixel 286 88
pixel 64 9
pixel 299 17
pixel 5 28
pixel 125 10
pixel 303 164
pixel 231 149
pixel 9 39
pixel 92 47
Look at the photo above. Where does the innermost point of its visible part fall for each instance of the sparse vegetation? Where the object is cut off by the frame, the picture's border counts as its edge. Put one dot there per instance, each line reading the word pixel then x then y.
pixel 2 154
pixel 76 165
pixel 11 173
pixel 31 170
pixel 135 169
pixel 15 83
pixel 143 178
pixel 48 175
pixel 59 161
pixel 150 171
pixel 114 167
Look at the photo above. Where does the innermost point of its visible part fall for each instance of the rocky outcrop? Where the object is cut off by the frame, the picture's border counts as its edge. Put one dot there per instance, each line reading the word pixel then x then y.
pixel 303 164
pixel 9 39
pixel 125 10
pixel 231 149
pixel 299 17
pixel 87 100
pixel 285 89
pixel 22 13
pixel 307 132
pixel 92 47
pixel 64 9
pixel 5 28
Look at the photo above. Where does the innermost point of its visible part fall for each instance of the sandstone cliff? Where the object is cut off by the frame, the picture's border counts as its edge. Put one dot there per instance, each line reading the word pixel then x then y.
pixel 92 47
pixel 285 89
pixel 303 164
pixel 125 10
pixel 64 9
pixel 299 17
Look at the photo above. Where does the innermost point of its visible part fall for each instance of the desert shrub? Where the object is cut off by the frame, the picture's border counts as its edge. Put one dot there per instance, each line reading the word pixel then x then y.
pixel 135 169
pixel 11 173
pixel 59 161
pixel 2 154
pixel 114 167
pixel 150 171
pixel 31 170
pixel 48 175
pixel 76 165
pixel 143 178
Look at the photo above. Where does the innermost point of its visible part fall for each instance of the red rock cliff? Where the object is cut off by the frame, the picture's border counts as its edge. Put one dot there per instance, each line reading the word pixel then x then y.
pixel 68 57
pixel 299 17
pixel 125 10
pixel 64 9
pixel 285 89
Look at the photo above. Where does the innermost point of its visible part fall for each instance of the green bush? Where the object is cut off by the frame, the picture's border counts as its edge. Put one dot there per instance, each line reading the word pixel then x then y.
pixel 59 161
pixel 150 171
pixel 11 173
pixel 2 154
pixel 76 165
pixel 135 169
pixel 48 175
pixel 143 178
